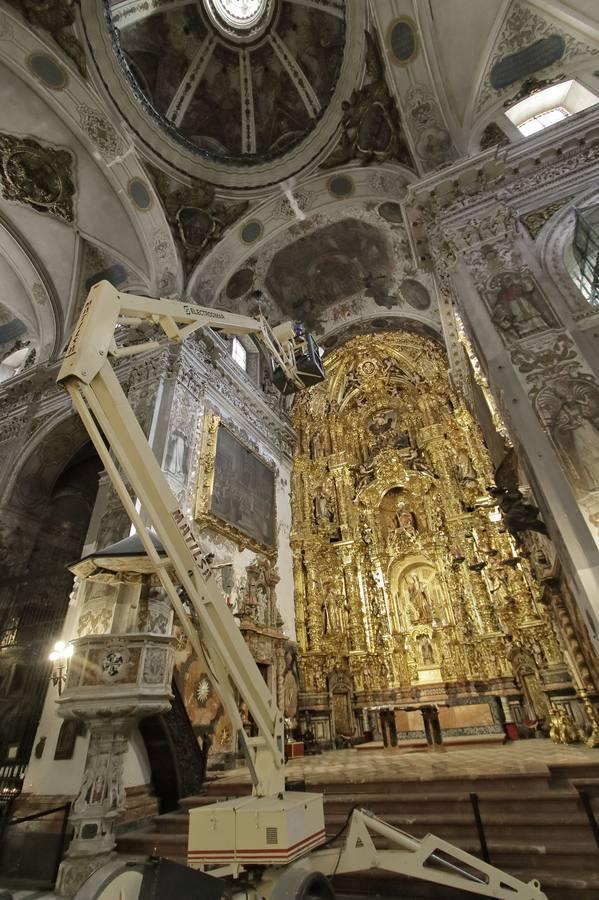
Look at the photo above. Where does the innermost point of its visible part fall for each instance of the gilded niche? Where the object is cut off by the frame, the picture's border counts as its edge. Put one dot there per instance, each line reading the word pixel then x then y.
pixel 404 573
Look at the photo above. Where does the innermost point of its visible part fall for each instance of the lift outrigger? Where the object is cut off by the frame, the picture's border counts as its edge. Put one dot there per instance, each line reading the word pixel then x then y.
pixel 268 844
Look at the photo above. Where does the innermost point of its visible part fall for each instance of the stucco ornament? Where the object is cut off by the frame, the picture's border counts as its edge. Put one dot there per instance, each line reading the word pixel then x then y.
pixel 37 176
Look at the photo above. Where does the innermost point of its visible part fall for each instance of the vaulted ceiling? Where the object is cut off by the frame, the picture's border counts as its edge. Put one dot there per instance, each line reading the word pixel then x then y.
pixel 232 164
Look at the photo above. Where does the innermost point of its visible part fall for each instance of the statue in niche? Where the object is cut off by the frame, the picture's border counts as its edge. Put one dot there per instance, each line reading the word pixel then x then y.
pixel 407 522
pixel 261 605
pixel 257 599
pixel 316 446
pixel 538 653
pixel 419 605
pixel 406 526
pixel 464 468
pixel 518 308
pixel 331 610
pixel 323 509
pixel 426 651
pixel 569 409
pixel 177 453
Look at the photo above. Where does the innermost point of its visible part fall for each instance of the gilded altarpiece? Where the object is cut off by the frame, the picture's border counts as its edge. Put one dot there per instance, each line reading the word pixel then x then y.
pixel 407 585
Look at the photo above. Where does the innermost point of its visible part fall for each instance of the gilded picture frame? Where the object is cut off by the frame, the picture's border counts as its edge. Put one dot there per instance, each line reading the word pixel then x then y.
pixel 236 489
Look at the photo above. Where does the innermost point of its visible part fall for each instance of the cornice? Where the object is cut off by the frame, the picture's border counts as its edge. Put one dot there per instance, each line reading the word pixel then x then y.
pixel 230 389
pixel 504 165
pixel 552 165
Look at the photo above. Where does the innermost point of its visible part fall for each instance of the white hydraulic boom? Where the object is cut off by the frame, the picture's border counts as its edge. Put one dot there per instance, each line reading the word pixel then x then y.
pixel 274 833
pixel 105 411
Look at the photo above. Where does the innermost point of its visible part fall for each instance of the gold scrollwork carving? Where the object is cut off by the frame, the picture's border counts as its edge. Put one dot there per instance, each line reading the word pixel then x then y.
pixel 404 574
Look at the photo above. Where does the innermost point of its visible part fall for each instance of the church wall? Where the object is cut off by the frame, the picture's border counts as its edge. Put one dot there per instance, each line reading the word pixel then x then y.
pixel 531 336
pixel 171 392
pixel 261 430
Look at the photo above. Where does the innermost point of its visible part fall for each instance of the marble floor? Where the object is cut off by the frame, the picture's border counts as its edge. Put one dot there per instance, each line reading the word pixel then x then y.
pixel 353 766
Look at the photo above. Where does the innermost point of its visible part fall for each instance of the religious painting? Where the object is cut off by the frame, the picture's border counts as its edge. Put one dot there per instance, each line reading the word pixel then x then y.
pixel 386 430
pixel 569 409
pixel 333 263
pixel 517 307
pixel 236 489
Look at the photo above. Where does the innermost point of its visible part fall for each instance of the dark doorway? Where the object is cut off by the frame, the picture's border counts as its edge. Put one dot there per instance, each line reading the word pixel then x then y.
pixel 34 596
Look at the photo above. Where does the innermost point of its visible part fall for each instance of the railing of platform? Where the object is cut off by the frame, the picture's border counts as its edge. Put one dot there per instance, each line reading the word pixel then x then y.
pixel 30 855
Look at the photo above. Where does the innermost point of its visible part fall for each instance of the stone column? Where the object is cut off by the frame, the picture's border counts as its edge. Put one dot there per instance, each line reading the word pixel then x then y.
pixel 99 804
pixel 517 377
pixel 357 632
pixel 539 362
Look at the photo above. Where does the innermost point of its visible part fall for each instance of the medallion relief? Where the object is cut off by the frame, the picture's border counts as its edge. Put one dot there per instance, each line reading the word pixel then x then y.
pixel 37 176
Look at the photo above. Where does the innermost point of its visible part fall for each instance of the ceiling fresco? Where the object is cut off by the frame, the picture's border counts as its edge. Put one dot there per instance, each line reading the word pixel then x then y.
pixel 332 269
pixel 223 95
pixel 330 264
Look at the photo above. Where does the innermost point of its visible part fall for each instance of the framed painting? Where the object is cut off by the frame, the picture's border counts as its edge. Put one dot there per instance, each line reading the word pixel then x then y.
pixel 236 489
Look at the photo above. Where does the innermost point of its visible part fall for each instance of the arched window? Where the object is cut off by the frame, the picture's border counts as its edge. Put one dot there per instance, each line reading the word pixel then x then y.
pixel 552 104
pixel 239 353
pixel 240 12
pixel 583 259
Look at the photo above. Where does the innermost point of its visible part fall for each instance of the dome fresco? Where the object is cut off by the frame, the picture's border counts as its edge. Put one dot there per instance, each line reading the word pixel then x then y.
pixel 234 80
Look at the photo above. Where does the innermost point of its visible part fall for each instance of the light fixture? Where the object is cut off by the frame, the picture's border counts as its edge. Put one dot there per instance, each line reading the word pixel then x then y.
pixel 60 656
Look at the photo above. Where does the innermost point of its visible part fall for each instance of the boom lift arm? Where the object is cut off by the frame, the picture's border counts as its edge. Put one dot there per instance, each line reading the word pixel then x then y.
pixel 105 411
pixel 272 834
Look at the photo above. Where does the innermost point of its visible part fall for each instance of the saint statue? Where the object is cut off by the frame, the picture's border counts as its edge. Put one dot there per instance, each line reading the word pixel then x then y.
pixel 407 521
pixel 364 473
pixel 418 601
pixel 405 526
pixel 323 509
pixel 464 468
pixel 426 651
pixel 261 605
pixel 331 611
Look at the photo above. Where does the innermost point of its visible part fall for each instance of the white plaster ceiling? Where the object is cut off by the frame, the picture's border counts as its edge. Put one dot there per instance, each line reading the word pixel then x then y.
pixel 98 211
pixel 457 42
pixel 14 297
pixel 461 31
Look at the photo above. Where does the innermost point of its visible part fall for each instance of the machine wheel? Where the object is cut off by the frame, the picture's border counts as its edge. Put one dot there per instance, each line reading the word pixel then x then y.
pixel 117 880
pixel 297 884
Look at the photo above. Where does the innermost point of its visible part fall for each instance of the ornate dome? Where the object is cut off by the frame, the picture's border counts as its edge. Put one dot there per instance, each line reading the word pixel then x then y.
pixel 238 81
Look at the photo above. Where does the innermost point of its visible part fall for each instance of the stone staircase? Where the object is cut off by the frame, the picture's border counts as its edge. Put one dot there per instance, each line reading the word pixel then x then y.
pixel 535 826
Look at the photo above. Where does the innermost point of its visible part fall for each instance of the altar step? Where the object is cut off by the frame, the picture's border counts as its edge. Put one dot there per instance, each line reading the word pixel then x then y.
pixel 535 826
